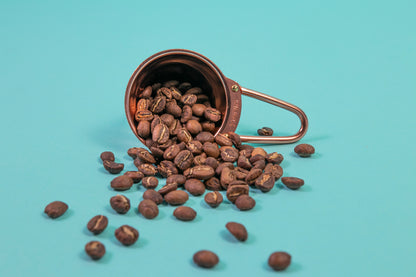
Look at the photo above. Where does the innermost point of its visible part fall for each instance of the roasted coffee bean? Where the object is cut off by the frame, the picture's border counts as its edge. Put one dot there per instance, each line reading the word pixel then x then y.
pixel 195 187
pixel 253 175
pixel 208 126
pixel 198 109
pixel 184 86
pixel 145 156
pixel 107 156
pixel 259 151
pixel 211 149
pixel 194 90
pixel 184 159
pixel 237 230
pixel 233 192
pixel 164 91
pixel 246 150
pixel 304 150
pixel 112 167
pixel 206 259
pixel 188 99
pixel 275 169
pixel 238 182
pixel 148 209
pixel 223 140
pixel 193 126
pixel 243 162
pixel 182 145
pixel 176 197
pixel 171 83
pixel 147 169
pixel 149 143
pixel 171 152
pixel 120 204
pixel 186 113
pixel 168 188
pixel 221 166
pixel 134 151
pixel 184 213
pixel 143 104
pixel 261 164
pixel 167 168
pixel 122 182
pixel 160 133
pixel 137 162
pixel 143 115
pixel 173 109
pixel 204 137
pixel 178 179
pixel 95 250
pixel 213 199
pixel 212 114
pixel 176 93
pixel 56 209
pixel 195 147
pixel 235 139
pixel 256 158
pixel 199 172
pixel 165 145
pixel 240 173
pixel 153 195
pixel 229 154
pixel 184 135
pixel 212 162
pixel 150 182
pixel 293 182
pixel 200 159
pixel 97 224
pixel 244 202
pixel 158 105
pixel 274 157
pixel 279 260
pixel 227 177
pixel 213 183
pixel 265 182
pixel 265 131
pixel 147 92
pixel 157 152
pixel 127 235
pixel 167 119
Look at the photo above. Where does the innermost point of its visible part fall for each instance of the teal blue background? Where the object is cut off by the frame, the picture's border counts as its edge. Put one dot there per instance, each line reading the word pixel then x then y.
pixel 350 65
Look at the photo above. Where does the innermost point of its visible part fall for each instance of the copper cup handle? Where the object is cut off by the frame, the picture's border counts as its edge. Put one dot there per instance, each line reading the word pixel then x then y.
pixel 281 104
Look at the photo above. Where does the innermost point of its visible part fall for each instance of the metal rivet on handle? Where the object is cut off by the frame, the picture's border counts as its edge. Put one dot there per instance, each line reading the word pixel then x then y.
pixel 235 88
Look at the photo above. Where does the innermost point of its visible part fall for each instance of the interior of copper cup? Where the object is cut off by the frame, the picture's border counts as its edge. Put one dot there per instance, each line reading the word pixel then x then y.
pixel 184 67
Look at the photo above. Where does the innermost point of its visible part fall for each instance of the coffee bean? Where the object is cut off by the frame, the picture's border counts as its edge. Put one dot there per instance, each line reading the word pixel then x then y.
pixel 275 169
pixel 167 119
pixel 213 183
pixel 150 182
pixel 237 230
pixel 213 199
pixel 136 176
pixel 246 150
pixel 199 172
pixel 155 87
pixel 194 127
pixel 167 168
pixel 95 250
pixel 143 104
pixel 127 235
pixel 253 175
pixel 147 169
pixel 195 147
pixel 198 109
pixel 112 167
pixel 265 131
pixel 245 202
pixel 171 83
pixel 122 182
pixel 223 140
pixel 173 109
pixel 208 126
pixel 147 92
pixel 184 159
pixel 304 150
pixel 184 86
pixel 227 176
pixel 211 149
pixel 194 90
pixel 97 224
pixel 145 156
pixel 158 104
pixel 186 114
pixel 157 152
pixel 274 157
pixel 279 260
pixel 233 192
pixel 184 213
pixel 200 159
pixel 165 91
pixel 153 195
pixel 134 151
pixel 168 188
pixel 164 146
pixel 143 115
pixel 176 197
pixel 256 158
pixel 221 166
pixel 107 156
pixel 176 93
pixel 160 133
pixel 265 182
pixel 171 152
pixel 188 99
pixel 243 162
pixel 261 164
pixel 212 162
pixel 120 204
pixel 56 209
pixel 229 154
pixel 240 173
pixel 292 182
pixel 143 129
pixel 235 138
pixel 204 137
pixel 206 259
pixel 184 135
pixel 259 151
pixel 212 114
pixel 195 187
pixel 148 209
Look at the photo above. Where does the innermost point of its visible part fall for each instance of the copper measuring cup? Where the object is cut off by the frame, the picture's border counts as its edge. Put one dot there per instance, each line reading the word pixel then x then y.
pixel 193 67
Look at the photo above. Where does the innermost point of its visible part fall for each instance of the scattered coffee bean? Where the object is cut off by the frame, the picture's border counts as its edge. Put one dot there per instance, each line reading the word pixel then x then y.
pixel 176 197
pixel 213 184
pixel 168 188
pixel 206 259
pixel 275 169
pixel 199 172
pixel 253 175
pixel 95 250
pixel 148 209
pixel 145 156
pixel 274 157
pixel 136 176
pixel 122 182
pixel 304 150
pixel 227 177
pixel 259 151
pixel 147 169
pixel 293 182
pixel 120 204
pixel 127 235
pixel 265 182
pixel 107 156
pixel 279 260
pixel 213 199
pixel 245 202
pixel 195 187
pixel 153 195
pixel 234 191
pixel 97 224
pixel 150 182
pixel 184 159
pixel 237 230
pixel 235 139
pixel 184 213
pixel 265 131
pixel 112 167
pixel 56 209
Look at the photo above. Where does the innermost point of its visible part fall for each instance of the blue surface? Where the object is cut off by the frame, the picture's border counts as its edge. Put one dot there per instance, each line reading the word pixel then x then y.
pixel 350 65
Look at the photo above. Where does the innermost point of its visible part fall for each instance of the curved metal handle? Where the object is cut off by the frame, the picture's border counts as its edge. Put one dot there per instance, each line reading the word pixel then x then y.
pixel 281 104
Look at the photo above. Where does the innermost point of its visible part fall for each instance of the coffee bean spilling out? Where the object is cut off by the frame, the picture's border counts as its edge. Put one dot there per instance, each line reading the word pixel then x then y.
pixel 95 250
pixel 237 230
pixel 304 150
pixel 56 209
pixel 206 259
pixel 279 260
pixel 97 224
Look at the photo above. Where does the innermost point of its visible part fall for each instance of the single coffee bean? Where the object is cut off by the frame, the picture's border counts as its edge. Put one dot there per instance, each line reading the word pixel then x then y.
pixel 157 152
pixel 176 93
pixel 160 133
pixel 243 162
pixel 167 119
pixel 148 209
pixel 145 156
pixel 237 230
pixel 137 162
pixel 212 162
pixel 194 90
pixel 147 92
pixel 221 166
pixel 253 175
pixel 107 156
pixel 227 177
pixel 199 172
pixel 97 224
pixel 112 167
pixel 248 149
pixel 127 235
pixel 265 182
pixel 188 99
pixel 212 114
pixel 165 91
pixel 235 138
pixel 147 169
pixel 143 104
pixel 245 202
pixel 186 114
pixel 171 152
pixel 184 86
pixel 229 154
pixel 195 187
pixel 213 183
pixel 274 157
pixel 184 159
pixel 184 213
pixel 279 260
pixel 143 115
pixel 95 250
pixel 194 127
pixel 56 209
pixel 259 151
pixel 261 164
pixel 184 135
pixel 213 199
pixel 177 179
pixel 176 197
pixel 293 182
pixel 206 259
pixel 167 168
pixel 158 104
pixel 265 131
pixel 195 147
pixel 156 121
pixel 240 173
pixel 173 109
pixel 168 188
pixel 208 126
pixel 150 182
pixel 204 137
pixel 136 176
pixel 304 150
pixel 200 159
pixel 275 169
pixel 223 140
pixel 120 204
pixel 134 152
pixel 122 182
pixel 198 109
pixel 211 149
pixel 153 195
pixel 164 146
pixel 233 192
pixel 256 158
